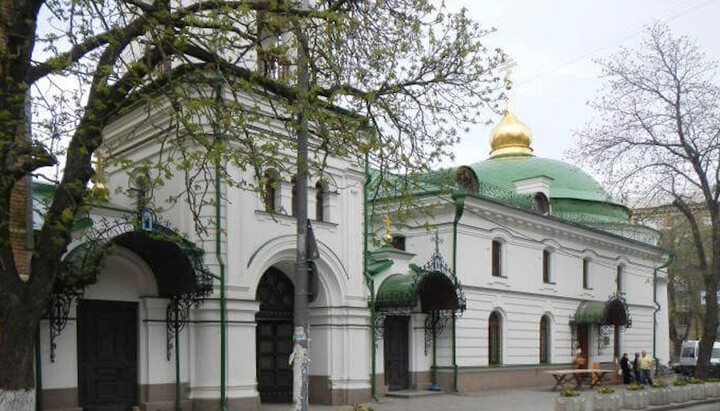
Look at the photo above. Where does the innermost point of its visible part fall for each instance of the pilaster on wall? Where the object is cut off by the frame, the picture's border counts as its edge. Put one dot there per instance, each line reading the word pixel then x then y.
pixel 205 355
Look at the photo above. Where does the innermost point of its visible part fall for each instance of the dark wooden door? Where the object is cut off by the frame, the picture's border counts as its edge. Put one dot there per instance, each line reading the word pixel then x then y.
pixel 584 343
pixel 396 353
pixel 275 337
pixel 274 344
pixel 107 355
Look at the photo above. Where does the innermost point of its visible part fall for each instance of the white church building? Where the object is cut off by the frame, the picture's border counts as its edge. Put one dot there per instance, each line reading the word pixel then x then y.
pixel 527 260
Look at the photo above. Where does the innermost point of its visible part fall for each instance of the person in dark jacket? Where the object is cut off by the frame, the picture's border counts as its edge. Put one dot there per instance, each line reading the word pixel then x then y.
pixel 626 369
pixel 636 368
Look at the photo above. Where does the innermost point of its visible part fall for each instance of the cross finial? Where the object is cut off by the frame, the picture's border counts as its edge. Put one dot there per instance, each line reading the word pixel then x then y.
pixel 99 176
pixel 387 237
pixel 507 65
pixel 437 241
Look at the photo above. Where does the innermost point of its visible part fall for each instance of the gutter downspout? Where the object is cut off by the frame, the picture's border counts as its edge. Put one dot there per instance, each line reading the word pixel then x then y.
pixel 670 260
pixel 370 282
pixel 178 400
pixel 218 248
pixel 459 208
pixel 223 305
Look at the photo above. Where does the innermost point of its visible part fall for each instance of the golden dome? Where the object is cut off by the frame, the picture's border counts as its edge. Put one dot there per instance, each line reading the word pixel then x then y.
pixel 510 136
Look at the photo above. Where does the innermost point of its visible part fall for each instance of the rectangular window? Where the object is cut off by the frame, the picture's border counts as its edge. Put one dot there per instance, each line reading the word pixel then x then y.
pixel 546 266
pixel 496 257
pixel 398 242
pixel 586 274
pixel 620 280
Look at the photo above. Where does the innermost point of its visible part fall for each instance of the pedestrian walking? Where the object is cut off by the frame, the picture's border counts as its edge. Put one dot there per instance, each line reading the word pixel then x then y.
pixel 636 368
pixel 646 366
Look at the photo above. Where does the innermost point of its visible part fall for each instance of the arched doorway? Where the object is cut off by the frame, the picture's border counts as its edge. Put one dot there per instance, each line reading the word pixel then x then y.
pixel 495 339
pixel 274 336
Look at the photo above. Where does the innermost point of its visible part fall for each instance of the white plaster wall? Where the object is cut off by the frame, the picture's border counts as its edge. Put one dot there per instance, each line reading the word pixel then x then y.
pixel 125 277
pixel 522 297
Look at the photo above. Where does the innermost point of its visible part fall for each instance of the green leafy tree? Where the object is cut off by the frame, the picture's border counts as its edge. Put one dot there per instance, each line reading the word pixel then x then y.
pixel 393 80
pixel 657 136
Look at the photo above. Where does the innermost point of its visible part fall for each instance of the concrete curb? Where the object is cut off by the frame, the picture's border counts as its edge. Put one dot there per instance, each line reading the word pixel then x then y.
pixel 683 405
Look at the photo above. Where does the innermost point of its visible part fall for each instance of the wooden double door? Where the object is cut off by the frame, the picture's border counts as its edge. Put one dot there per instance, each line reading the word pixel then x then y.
pixel 107 355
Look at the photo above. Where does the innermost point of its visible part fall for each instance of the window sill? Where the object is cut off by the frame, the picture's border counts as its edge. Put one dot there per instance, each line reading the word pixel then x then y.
pixel 551 287
pixel 499 280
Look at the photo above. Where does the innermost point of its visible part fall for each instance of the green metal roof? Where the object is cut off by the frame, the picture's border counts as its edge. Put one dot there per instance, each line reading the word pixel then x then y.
pixel 398 290
pixel 567 181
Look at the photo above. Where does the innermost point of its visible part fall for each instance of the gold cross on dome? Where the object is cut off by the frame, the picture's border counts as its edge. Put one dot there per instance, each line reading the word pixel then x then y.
pixel 508 63
pixel 387 237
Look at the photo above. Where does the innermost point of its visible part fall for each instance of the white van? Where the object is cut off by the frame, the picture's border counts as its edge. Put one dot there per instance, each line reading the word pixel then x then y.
pixel 689 355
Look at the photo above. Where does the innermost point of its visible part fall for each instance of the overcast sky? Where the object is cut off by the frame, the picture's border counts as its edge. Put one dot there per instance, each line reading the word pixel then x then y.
pixel 554 42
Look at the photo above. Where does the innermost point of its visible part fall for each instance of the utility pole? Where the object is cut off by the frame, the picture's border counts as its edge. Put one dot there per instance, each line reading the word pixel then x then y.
pixel 300 356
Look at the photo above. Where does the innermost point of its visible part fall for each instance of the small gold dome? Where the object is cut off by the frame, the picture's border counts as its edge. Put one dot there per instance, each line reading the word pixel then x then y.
pixel 510 136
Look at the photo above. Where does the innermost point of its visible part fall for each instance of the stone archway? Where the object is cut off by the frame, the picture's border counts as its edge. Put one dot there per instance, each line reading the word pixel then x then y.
pixel 274 337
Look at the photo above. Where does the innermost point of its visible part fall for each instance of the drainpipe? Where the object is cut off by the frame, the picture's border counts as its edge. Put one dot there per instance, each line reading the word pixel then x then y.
pixel 459 208
pixel 370 282
pixel 671 258
pixel 217 86
pixel 223 305
pixel 178 399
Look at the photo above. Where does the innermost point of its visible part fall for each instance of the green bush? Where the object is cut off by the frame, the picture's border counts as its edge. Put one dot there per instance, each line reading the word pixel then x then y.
pixel 569 392
pixel 679 383
pixel 606 390
pixel 694 380
pixel 659 384
pixel 635 387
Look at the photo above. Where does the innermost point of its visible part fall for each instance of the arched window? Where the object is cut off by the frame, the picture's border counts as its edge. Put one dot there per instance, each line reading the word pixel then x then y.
pixel 586 274
pixel 620 279
pixel 465 178
pixel 319 201
pixel 269 190
pixel 544 340
pixel 495 339
pixel 497 255
pixel 140 187
pixel 541 204
pixel 547 266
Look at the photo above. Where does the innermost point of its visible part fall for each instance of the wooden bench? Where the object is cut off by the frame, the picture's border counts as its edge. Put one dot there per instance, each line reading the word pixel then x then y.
pixel 576 377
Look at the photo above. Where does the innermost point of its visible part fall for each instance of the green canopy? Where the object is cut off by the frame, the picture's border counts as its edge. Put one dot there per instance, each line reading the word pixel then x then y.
pixel 176 262
pixel 611 312
pixel 434 290
pixel 590 312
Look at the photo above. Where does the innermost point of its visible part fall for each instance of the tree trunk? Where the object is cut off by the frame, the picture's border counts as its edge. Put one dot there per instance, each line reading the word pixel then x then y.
pixel 710 324
pixel 18 327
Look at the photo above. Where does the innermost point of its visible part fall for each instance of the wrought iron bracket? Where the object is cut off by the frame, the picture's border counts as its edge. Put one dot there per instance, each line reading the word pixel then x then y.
pixel 177 316
pixel 59 312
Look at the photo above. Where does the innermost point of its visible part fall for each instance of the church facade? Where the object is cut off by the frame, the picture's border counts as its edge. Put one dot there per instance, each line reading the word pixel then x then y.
pixel 527 265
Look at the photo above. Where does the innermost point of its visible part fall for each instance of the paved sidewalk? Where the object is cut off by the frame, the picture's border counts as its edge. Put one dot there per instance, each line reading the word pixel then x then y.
pixel 526 399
